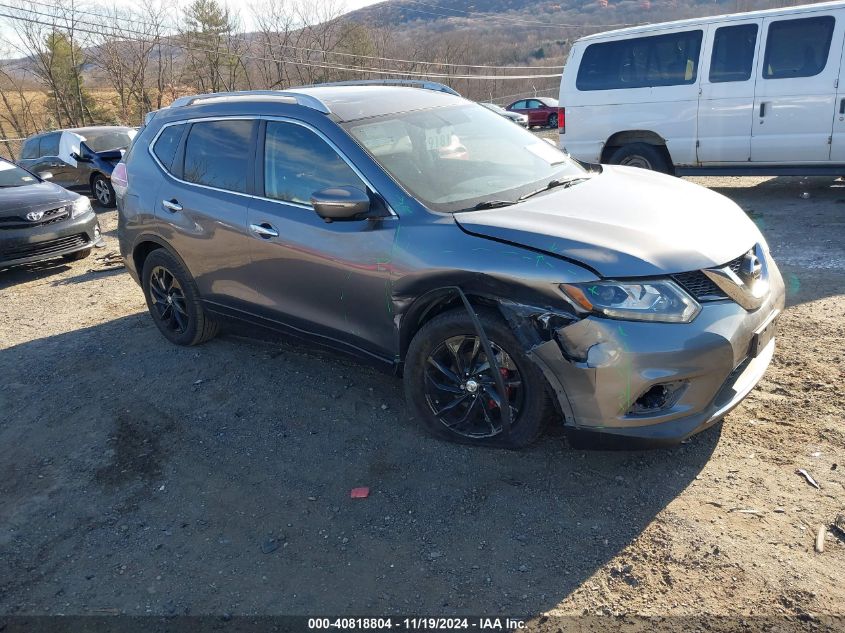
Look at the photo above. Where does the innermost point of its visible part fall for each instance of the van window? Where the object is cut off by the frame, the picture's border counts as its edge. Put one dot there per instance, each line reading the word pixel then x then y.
pixel 797 48
pixel 167 143
pixel 215 154
pixel 733 53
pixel 297 162
pixel 49 145
pixel 641 62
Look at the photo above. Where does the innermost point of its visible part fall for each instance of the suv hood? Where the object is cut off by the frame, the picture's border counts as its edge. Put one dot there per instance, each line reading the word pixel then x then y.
pixel 625 222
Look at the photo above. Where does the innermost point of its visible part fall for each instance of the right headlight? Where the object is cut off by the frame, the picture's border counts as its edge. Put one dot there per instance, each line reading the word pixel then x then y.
pixel 652 300
pixel 81 206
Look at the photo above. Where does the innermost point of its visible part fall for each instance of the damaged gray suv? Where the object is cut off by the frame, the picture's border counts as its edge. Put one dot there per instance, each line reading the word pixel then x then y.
pixel 507 283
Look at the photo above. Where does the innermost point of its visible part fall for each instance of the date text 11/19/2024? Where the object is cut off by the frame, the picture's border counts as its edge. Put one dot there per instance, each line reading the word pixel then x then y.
pixel 416 624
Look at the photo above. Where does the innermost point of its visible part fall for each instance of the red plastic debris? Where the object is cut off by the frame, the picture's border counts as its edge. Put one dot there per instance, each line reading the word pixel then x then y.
pixel 360 493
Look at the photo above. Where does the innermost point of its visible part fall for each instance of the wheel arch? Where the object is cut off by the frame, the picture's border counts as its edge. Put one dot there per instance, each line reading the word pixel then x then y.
pixel 626 137
pixel 93 175
pixel 428 306
pixel 145 245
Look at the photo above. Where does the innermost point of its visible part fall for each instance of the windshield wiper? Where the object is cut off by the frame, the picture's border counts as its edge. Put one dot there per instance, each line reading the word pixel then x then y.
pixel 492 204
pixel 562 182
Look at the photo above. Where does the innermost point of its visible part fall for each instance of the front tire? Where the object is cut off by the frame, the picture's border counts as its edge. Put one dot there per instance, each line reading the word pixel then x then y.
pixel 103 191
pixel 451 390
pixel 641 155
pixel 174 302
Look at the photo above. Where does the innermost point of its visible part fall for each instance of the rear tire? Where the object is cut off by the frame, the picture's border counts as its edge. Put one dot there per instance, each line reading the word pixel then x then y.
pixel 641 155
pixel 553 121
pixel 102 190
pixel 174 302
pixel 435 378
pixel 74 257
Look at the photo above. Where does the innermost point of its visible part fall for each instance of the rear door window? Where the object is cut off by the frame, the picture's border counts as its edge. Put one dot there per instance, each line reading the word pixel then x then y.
pixel 30 149
pixel 49 145
pixel 215 154
pixel 641 62
pixel 733 53
pixel 797 48
pixel 297 162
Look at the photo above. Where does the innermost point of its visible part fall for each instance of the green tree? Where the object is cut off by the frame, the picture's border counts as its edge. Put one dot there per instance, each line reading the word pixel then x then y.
pixel 211 61
pixel 62 72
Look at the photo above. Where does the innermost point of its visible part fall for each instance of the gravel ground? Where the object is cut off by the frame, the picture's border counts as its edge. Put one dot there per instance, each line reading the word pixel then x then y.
pixel 141 478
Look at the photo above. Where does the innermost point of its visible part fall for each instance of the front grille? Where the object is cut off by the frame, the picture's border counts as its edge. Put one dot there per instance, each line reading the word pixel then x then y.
pixel 43 249
pixel 50 217
pixel 701 287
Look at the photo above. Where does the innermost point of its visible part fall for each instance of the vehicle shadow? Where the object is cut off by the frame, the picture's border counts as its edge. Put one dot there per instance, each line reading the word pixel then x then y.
pixel 804 225
pixel 212 480
pixel 14 275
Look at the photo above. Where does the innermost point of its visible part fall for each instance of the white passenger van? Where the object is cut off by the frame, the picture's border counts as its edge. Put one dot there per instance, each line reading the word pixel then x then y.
pixel 749 93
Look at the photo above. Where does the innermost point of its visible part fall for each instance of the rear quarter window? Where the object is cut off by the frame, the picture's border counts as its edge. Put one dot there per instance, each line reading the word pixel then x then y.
pixel 167 143
pixel 641 62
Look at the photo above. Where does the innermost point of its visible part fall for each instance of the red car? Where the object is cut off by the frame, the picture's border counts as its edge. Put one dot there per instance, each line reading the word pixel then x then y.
pixel 539 110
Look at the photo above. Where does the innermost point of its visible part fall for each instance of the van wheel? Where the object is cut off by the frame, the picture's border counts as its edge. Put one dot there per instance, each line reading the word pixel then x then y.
pixel 641 155
pixel 174 302
pixel 450 387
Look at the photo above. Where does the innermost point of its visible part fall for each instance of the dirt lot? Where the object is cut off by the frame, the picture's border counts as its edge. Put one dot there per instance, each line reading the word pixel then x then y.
pixel 141 478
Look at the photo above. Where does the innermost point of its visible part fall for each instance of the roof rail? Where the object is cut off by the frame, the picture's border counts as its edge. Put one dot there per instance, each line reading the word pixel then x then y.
pixel 412 83
pixel 288 97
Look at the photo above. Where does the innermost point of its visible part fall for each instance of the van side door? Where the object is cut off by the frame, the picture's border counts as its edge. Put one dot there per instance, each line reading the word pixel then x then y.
pixel 837 137
pixel 726 104
pixel 795 89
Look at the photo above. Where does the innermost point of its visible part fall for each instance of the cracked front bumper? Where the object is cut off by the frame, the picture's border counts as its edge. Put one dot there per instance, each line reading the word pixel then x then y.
pixel 600 367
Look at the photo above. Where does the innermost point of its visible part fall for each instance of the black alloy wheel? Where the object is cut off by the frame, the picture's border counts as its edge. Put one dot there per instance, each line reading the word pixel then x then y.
pixel 451 388
pixel 460 387
pixel 174 301
pixel 168 301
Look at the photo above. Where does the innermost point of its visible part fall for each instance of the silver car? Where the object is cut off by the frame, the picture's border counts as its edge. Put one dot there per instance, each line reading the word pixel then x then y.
pixel 516 117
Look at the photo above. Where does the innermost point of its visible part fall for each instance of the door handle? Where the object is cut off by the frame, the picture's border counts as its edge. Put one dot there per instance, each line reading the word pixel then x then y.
pixel 842 106
pixel 171 205
pixel 762 109
pixel 265 231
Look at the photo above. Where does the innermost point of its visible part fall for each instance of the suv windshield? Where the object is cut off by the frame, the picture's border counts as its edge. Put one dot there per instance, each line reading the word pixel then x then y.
pixel 108 139
pixel 13 176
pixel 454 158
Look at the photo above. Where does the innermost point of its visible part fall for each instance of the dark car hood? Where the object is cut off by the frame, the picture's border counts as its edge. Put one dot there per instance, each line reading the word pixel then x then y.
pixel 36 197
pixel 625 222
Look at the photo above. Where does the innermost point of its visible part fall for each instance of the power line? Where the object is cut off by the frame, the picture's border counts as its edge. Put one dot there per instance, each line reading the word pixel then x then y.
pixel 377 71
pixel 289 46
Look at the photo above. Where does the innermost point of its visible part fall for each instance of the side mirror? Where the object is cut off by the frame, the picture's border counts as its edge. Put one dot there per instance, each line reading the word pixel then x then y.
pixel 45 175
pixel 340 203
pixel 79 158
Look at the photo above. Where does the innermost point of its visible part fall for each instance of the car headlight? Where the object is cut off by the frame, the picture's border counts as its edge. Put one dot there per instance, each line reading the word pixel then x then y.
pixel 81 206
pixel 652 300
